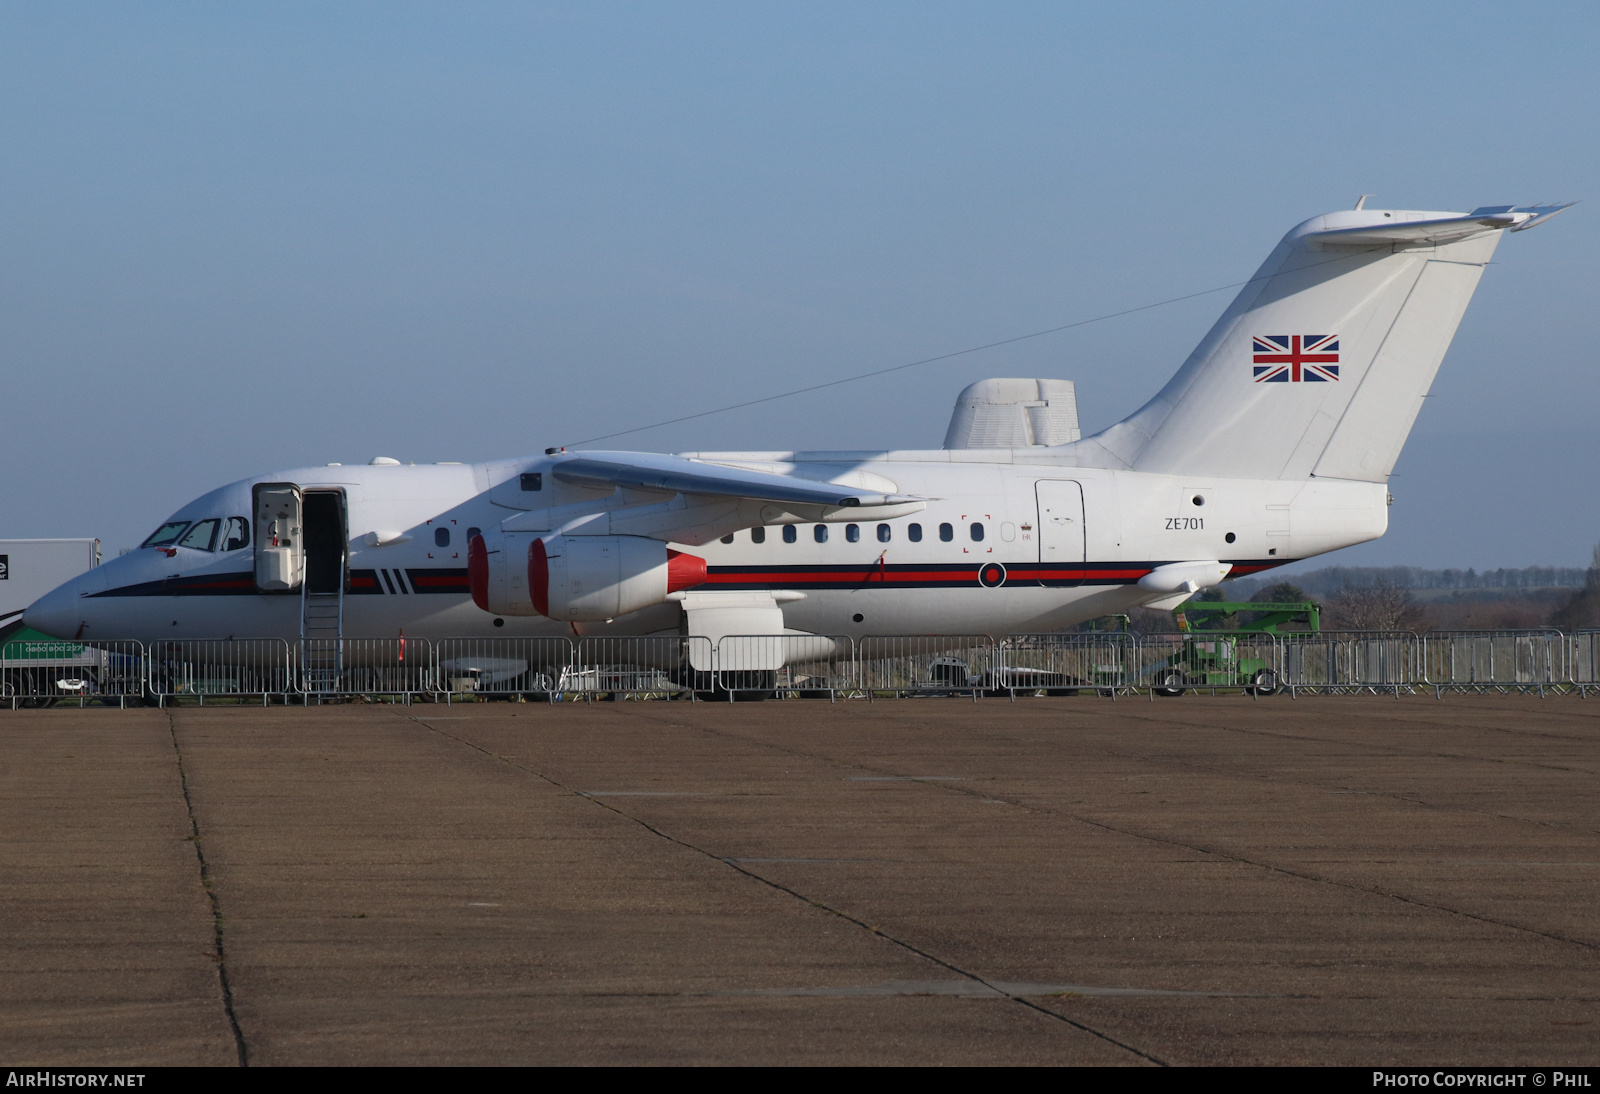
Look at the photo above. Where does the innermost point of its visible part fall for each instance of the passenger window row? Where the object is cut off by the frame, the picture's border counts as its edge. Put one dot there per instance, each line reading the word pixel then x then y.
pixel 852 533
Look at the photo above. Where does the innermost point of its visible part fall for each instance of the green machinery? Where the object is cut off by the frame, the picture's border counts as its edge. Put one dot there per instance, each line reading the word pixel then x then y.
pixel 1209 656
pixel 1272 616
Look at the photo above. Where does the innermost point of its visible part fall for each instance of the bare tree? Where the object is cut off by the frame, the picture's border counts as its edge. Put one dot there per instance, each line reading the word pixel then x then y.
pixel 1381 606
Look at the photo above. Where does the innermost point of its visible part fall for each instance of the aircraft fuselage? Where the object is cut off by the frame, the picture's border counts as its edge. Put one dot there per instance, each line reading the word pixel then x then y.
pixel 1008 542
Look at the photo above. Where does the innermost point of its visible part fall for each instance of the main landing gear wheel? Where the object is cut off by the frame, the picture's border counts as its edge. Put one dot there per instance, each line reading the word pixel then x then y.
pixel 1169 683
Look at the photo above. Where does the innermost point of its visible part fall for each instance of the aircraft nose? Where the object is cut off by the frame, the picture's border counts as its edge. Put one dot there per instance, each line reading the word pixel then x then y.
pixel 57 613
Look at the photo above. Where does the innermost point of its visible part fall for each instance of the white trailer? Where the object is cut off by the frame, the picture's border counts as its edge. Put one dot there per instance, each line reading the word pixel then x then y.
pixel 36 669
pixel 29 568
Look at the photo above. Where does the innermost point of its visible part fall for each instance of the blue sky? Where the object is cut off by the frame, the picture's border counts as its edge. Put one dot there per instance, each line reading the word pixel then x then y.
pixel 237 238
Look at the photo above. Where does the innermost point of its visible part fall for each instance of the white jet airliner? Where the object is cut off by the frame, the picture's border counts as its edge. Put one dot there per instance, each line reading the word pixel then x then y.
pixel 1272 443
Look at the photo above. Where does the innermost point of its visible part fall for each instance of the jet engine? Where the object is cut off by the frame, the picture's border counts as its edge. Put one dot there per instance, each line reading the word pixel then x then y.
pixel 602 577
pixel 575 577
pixel 497 571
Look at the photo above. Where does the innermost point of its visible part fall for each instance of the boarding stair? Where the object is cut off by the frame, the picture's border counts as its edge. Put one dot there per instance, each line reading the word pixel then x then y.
pixel 321 640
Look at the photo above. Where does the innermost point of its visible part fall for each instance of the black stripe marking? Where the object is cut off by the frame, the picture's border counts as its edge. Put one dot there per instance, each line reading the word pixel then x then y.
pixel 233 584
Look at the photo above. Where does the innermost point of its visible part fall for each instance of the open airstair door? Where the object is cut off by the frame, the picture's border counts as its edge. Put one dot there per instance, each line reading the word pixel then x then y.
pixel 279 537
pixel 301 539
pixel 1061 535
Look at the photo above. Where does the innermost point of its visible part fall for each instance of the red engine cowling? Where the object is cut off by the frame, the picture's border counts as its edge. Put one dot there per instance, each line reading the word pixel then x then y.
pixel 602 577
pixel 497 572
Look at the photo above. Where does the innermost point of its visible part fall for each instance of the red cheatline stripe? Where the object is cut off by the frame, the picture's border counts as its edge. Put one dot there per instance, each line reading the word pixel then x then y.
pixel 452 581
pixel 904 577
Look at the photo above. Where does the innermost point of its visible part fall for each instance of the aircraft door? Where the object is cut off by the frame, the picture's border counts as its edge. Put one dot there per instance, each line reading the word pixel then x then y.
pixel 1061 532
pixel 280 546
pixel 326 541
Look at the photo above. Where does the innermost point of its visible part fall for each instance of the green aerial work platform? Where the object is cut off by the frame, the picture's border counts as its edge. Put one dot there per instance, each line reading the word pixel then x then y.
pixel 1210 657
pixel 1274 615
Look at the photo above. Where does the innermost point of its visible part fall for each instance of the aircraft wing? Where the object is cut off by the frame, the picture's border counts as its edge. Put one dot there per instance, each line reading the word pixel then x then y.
pixel 1490 218
pixel 649 471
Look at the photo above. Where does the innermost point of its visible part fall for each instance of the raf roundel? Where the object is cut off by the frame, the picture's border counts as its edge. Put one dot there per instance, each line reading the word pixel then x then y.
pixel 991 575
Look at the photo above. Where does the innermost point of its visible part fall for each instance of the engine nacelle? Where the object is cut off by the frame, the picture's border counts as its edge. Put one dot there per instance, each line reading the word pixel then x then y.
pixel 497 571
pixel 601 577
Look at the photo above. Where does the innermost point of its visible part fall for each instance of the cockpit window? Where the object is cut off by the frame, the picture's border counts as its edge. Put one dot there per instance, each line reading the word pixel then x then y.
pixel 236 536
pixel 202 537
pixel 167 533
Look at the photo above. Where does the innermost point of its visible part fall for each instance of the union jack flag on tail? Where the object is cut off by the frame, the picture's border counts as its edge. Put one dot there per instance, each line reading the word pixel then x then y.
pixel 1293 358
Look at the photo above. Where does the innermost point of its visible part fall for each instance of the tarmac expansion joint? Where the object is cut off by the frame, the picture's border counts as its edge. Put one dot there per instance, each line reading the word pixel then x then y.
pixel 220 953
pixel 980 983
pixel 1219 853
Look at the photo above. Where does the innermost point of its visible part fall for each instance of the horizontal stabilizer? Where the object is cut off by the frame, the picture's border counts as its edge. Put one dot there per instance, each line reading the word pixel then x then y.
pixel 647 471
pixel 1489 218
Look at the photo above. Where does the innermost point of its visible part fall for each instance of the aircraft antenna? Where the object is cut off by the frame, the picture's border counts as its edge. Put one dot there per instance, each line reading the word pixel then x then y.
pixel 958 353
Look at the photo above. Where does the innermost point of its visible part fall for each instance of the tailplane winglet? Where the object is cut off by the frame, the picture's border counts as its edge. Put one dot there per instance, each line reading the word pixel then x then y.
pixel 1403 227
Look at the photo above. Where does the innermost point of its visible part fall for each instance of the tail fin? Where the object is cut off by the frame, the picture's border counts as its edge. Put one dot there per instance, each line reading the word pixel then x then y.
pixel 1320 365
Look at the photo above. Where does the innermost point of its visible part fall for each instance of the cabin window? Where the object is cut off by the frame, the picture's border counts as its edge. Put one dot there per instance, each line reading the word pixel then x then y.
pixel 977 532
pixel 946 533
pixel 203 536
pixel 914 533
pixel 728 538
pixel 883 533
pixel 532 480
pixel 473 533
pixel 441 537
pixel 852 533
pixel 758 535
pixel 236 535
pixel 789 534
pixel 820 533
pixel 167 533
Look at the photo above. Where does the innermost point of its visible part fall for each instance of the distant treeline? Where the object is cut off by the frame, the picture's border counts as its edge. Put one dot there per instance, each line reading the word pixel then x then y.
pixel 1331 579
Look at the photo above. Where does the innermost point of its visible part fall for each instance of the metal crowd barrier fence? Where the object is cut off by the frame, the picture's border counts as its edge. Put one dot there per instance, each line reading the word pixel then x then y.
pixel 1495 660
pixel 1064 664
pixel 36 673
pixel 925 664
pixel 401 667
pixel 1583 660
pixel 1339 662
pixel 664 665
pixel 807 666
pixel 1170 664
pixel 222 667
pixel 529 667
